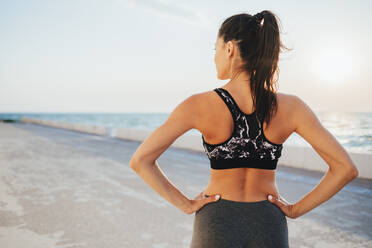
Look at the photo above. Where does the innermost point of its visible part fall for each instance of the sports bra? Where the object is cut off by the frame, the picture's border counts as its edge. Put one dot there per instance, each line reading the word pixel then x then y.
pixel 247 146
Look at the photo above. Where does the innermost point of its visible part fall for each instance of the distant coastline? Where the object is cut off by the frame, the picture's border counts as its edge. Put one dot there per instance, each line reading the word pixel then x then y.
pixel 292 155
pixel 352 129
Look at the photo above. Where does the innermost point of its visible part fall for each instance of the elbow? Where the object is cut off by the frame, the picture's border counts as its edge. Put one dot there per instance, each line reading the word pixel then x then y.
pixel 138 162
pixel 355 173
pixel 348 172
pixel 134 163
pixel 352 173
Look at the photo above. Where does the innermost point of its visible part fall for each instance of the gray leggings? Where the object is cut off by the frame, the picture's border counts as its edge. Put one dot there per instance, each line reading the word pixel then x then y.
pixel 233 224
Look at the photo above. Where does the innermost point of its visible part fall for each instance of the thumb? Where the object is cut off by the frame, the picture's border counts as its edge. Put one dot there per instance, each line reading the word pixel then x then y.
pixel 273 200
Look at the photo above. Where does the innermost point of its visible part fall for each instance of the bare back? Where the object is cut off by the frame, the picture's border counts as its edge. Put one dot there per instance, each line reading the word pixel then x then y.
pixel 242 184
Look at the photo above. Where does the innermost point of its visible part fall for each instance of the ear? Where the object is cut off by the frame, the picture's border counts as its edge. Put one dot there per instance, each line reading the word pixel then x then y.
pixel 230 48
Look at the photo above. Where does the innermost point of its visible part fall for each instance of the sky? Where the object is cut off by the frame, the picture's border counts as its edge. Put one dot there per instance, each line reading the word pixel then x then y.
pixel 148 56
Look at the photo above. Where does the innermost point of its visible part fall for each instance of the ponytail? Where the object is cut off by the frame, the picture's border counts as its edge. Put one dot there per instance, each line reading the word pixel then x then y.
pixel 258 38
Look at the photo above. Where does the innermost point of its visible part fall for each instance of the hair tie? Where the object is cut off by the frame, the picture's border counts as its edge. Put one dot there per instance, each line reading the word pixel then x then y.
pixel 259 16
pixel 255 22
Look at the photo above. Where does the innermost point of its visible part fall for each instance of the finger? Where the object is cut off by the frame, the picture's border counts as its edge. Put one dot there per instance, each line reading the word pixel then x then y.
pixel 276 201
pixel 281 199
pixel 216 197
pixel 212 198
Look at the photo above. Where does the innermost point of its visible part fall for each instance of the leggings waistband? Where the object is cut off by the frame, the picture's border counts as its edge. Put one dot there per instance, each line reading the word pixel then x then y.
pixel 242 202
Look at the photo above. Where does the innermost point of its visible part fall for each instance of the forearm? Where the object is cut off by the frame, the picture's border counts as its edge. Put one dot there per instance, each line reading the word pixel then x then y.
pixel 330 184
pixel 154 176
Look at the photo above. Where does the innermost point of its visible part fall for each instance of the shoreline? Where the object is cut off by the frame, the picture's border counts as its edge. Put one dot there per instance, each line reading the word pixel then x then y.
pixel 62 188
pixel 292 156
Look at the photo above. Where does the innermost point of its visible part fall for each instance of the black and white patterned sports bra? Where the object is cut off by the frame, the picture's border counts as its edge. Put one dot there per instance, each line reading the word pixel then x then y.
pixel 247 146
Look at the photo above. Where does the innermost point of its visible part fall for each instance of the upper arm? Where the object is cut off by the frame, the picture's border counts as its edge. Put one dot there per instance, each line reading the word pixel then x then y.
pixel 308 126
pixel 184 117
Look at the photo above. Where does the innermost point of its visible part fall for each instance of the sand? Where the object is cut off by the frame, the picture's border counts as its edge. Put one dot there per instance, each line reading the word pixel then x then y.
pixel 60 188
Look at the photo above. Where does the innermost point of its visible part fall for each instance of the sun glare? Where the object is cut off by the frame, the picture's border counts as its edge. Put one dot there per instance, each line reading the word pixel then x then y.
pixel 333 65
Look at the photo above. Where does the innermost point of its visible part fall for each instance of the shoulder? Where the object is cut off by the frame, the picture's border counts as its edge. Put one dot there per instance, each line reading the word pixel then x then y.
pixel 285 104
pixel 203 95
pixel 198 108
pixel 194 106
pixel 290 102
pixel 200 100
pixel 195 99
pixel 285 98
pixel 290 98
pixel 307 124
pixel 297 110
pixel 293 102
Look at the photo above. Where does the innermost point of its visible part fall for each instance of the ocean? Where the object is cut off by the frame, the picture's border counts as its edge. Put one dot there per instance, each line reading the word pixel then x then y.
pixel 352 129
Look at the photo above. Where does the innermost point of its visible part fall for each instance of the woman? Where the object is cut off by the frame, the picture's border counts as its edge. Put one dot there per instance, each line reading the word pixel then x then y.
pixel 244 125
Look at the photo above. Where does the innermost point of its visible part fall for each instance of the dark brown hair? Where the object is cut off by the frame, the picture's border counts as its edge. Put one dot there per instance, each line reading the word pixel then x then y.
pixel 259 44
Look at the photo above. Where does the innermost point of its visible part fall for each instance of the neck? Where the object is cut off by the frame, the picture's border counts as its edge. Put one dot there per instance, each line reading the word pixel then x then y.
pixel 240 80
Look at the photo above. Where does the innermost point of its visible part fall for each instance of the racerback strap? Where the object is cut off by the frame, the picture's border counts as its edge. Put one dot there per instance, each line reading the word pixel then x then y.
pixel 229 101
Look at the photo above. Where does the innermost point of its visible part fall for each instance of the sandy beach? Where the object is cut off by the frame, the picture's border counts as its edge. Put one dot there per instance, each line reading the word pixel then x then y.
pixel 61 188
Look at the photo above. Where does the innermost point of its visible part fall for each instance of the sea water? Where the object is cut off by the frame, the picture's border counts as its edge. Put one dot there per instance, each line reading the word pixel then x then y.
pixel 352 129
